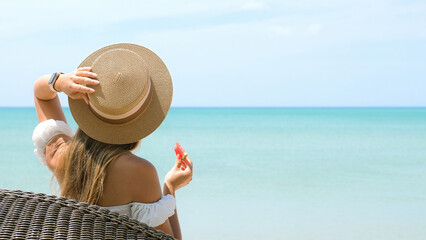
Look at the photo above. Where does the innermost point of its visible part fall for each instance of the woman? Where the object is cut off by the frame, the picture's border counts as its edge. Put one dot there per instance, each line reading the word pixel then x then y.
pixel 120 94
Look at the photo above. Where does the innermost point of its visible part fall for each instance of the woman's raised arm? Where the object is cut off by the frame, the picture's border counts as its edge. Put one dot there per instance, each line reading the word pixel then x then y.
pixel 47 103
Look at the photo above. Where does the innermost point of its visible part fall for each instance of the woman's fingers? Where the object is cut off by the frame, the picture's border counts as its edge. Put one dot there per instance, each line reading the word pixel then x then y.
pixel 178 161
pixel 75 84
pixel 85 69
pixel 85 80
pixel 188 172
pixel 78 95
pixel 86 74
pixel 188 167
pixel 183 165
pixel 82 89
pixel 85 97
pixel 189 162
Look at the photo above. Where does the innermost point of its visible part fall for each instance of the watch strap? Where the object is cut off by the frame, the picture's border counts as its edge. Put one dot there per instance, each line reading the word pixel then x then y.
pixel 52 81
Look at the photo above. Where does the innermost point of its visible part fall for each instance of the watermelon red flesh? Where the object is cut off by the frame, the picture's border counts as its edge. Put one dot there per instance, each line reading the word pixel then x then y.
pixel 178 154
pixel 181 151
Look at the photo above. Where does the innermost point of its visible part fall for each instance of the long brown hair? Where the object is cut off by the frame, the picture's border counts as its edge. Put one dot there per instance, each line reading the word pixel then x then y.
pixel 83 165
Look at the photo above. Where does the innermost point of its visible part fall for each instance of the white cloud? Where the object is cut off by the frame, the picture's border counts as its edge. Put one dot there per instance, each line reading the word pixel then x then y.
pixel 253 6
pixel 18 19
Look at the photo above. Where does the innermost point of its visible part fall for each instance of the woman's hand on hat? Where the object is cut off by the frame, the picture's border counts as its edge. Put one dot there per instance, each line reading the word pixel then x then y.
pixel 74 84
pixel 177 178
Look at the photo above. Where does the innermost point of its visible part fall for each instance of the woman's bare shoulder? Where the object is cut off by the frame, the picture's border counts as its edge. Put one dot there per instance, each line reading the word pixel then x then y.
pixel 136 176
pixel 133 165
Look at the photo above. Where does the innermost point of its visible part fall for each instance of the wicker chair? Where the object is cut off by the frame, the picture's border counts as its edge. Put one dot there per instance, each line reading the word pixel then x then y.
pixel 27 215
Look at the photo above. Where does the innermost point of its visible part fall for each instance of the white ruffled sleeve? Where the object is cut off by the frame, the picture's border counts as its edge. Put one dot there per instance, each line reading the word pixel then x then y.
pixel 154 214
pixel 45 131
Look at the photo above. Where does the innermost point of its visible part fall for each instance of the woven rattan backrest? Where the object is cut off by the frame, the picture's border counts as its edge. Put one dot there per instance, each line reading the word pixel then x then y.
pixel 26 215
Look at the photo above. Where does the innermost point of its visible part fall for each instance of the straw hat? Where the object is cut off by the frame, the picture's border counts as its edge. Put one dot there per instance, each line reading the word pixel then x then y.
pixel 133 96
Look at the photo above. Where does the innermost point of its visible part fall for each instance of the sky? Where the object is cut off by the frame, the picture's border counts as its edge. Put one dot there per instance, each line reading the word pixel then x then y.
pixel 228 53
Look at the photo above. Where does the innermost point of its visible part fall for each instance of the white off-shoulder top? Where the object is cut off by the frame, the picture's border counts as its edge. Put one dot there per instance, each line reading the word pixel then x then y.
pixel 152 214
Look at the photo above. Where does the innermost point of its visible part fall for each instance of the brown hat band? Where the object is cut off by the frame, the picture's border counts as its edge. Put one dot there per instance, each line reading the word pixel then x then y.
pixel 129 115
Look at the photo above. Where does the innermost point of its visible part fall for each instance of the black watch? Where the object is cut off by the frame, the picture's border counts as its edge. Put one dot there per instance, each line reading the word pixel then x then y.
pixel 52 81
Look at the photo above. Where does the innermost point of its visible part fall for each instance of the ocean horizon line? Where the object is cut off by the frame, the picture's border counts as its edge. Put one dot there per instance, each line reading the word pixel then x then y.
pixel 266 107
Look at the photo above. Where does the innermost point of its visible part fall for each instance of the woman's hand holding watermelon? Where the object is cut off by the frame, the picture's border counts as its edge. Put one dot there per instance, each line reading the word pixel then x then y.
pixel 181 173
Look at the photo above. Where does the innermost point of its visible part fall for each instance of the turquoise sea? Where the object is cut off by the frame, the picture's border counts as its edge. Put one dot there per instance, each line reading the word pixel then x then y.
pixel 273 173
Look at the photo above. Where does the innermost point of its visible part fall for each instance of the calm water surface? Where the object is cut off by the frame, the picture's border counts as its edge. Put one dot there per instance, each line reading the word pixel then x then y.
pixel 273 173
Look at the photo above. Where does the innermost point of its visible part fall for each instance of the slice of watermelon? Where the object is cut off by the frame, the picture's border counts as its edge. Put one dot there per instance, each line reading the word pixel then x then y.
pixel 181 151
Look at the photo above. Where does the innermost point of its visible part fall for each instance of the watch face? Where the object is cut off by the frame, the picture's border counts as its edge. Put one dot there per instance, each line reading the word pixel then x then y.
pixel 52 78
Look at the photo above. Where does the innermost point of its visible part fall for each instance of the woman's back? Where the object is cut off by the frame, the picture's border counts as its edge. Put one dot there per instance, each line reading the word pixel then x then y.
pixel 130 178
pixel 131 185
